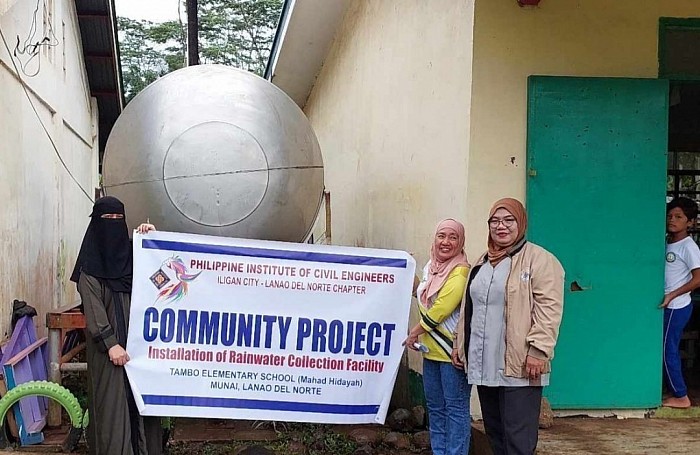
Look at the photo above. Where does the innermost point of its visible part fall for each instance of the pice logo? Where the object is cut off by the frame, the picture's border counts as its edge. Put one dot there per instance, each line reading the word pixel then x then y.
pixel 178 289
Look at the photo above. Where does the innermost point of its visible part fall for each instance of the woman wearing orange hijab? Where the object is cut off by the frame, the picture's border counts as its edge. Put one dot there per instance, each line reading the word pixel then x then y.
pixel 508 328
pixel 439 294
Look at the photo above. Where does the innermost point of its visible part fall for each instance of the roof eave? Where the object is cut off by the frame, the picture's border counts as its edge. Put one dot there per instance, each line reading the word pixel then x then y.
pixel 304 37
pixel 97 21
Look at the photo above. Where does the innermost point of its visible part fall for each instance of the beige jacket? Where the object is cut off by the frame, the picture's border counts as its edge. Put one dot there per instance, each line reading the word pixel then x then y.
pixel 534 306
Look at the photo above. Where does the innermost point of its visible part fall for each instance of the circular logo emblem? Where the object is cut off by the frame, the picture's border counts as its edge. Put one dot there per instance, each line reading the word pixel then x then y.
pixel 670 257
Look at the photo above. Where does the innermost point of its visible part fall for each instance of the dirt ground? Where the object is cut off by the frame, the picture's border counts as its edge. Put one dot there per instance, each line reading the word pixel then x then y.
pixel 662 436
pixel 617 436
pixel 567 436
pixel 214 437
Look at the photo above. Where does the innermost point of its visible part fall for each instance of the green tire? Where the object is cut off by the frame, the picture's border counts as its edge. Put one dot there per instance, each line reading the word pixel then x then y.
pixel 56 392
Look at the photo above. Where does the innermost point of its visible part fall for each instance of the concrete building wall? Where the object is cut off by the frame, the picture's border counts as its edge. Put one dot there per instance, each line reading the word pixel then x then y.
pixel 564 38
pixel 390 108
pixel 44 211
pixel 383 114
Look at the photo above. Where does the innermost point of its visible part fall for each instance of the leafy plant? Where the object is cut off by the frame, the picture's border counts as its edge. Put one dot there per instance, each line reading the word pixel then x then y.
pixel 238 33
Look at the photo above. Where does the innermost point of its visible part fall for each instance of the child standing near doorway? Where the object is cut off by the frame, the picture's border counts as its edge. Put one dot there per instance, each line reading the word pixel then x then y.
pixel 682 276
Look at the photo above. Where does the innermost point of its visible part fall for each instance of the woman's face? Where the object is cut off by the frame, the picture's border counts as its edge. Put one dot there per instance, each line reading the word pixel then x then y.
pixel 503 228
pixel 446 243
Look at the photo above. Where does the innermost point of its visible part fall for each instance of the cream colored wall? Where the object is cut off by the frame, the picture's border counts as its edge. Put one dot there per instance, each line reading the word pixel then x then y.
pixel 390 108
pixel 560 37
pixel 44 213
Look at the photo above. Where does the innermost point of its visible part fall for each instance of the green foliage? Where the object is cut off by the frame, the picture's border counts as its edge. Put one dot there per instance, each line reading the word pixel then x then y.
pixel 238 33
pixel 321 439
pixel 77 384
pixel 148 51
pixel 336 443
pixel 317 439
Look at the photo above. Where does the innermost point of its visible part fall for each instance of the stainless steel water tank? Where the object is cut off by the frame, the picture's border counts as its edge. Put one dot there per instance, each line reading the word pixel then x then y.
pixel 214 150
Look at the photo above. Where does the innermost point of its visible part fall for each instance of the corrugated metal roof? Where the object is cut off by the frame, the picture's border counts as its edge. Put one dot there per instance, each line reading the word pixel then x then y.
pixel 98 30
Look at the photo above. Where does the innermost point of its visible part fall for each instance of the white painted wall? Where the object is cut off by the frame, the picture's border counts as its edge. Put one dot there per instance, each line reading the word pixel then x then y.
pixel 44 212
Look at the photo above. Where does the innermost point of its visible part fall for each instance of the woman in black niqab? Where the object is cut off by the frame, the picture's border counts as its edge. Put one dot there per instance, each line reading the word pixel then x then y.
pixel 106 250
pixel 103 273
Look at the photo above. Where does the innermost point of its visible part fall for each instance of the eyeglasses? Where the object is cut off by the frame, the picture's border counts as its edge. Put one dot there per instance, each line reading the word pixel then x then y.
pixel 507 222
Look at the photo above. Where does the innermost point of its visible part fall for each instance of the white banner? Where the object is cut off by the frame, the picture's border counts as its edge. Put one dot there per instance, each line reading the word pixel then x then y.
pixel 246 329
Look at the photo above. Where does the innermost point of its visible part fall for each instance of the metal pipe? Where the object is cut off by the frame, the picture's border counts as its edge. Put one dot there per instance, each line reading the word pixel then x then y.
pixel 54 416
pixel 327 203
pixel 74 366
pixel 192 33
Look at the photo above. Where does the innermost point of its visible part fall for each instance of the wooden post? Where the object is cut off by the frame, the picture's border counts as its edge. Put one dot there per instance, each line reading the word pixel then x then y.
pixel 192 33
pixel 59 321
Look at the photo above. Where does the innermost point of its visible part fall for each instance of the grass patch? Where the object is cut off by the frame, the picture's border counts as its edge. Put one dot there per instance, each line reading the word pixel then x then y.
pixel 203 448
pixel 317 439
pixel 671 413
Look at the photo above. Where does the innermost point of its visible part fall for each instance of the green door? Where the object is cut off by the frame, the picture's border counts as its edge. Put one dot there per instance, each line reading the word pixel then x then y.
pixel 596 199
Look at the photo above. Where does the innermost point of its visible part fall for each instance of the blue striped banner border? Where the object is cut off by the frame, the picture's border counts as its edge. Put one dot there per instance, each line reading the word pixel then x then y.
pixel 266 405
pixel 306 256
